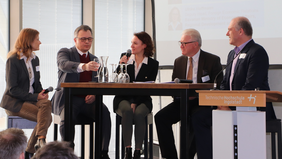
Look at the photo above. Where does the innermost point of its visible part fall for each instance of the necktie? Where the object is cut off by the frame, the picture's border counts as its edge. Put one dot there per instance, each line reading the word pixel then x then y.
pixel 84 55
pixel 190 69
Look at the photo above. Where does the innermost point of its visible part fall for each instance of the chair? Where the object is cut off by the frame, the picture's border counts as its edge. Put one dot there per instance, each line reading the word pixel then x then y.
pixel 149 122
pixel 274 126
pixel 81 120
pixel 21 123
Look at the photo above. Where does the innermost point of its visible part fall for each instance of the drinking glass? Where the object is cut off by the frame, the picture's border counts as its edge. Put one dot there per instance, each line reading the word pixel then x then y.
pixel 126 75
pixel 97 65
pixel 114 75
pixel 121 74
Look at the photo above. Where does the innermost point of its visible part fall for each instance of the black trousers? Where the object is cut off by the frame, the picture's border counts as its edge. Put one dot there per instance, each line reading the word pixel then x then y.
pixel 199 130
pixel 80 108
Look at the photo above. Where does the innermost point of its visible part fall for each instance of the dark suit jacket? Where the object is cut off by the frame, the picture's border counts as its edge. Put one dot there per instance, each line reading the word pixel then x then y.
pixel 17 83
pixel 67 61
pixel 146 73
pixel 250 72
pixel 208 64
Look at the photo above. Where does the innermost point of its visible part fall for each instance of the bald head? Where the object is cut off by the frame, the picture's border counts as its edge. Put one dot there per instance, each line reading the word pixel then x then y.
pixel 245 24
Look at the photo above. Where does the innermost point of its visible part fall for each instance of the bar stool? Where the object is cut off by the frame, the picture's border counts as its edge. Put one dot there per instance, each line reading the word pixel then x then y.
pixel 274 126
pixel 21 123
pixel 81 120
pixel 149 122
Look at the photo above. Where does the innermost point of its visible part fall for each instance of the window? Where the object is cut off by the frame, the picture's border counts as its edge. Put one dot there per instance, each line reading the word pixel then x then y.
pixel 115 23
pixel 56 21
pixel 4 38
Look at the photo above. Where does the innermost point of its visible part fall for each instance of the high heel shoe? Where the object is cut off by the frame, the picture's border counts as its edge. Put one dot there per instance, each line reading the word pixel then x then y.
pixel 128 153
pixel 40 143
pixel 137 154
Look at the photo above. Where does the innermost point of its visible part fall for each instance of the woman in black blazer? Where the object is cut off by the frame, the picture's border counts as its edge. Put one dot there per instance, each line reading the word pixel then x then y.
pixel 24 95
pixel 133 109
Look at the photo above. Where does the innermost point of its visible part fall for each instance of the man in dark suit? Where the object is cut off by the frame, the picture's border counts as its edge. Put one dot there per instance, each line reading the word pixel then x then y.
pixel 200 67
pixel 249 68
pixel 76 65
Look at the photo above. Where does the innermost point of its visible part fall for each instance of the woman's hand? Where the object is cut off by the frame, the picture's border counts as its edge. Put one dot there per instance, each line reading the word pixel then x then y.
pixel 42 95
pixel 89 99
pixel 123 59
pixel 133 106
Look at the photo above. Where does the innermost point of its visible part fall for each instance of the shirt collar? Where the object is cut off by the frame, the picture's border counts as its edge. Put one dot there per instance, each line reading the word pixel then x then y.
pixel 81 53
pixel 32 56
pixel 132 59
pixel 243 45
pixel 196 56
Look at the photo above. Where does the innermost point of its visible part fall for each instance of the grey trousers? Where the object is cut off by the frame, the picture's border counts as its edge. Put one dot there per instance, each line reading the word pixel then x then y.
pixel 129 118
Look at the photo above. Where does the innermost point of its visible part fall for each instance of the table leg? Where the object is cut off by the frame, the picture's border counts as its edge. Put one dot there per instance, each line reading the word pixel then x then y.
pixel 184 118
pixel 98 125
pixel 68 114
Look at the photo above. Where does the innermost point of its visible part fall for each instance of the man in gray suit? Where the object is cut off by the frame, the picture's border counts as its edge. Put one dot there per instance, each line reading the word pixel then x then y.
pixel 76 65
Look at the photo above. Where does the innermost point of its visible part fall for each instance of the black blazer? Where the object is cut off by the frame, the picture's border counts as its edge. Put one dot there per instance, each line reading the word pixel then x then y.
pixel 146 73
pixel 250 72
pixel 17 83
pixel 67 61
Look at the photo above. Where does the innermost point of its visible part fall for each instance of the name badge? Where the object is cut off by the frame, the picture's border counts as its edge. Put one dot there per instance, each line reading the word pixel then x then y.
pixel 37 68
pixel 242 55
pixel 206 78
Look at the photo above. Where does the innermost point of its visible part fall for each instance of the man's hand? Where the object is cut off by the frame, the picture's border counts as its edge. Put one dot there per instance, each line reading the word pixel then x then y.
pixel 91 66
pixel 89 99
pixel 42 95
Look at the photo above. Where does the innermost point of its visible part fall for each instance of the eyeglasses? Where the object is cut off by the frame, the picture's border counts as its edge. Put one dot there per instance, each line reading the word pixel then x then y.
pixel 184 43
pixel 83 39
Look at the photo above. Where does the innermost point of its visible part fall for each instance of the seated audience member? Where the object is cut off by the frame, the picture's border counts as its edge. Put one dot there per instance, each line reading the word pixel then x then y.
pixel 12 144
pixel 55 150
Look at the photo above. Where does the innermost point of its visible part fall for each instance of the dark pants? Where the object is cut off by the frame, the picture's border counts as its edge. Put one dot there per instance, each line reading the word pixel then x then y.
pixel 200 120
pixel 81 109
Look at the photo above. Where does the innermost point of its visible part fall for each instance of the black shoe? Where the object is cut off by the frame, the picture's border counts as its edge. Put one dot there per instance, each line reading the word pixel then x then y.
pixel 28 155
pixel 137 154
pixel 40 143
pixel 128 153
pixel 104 155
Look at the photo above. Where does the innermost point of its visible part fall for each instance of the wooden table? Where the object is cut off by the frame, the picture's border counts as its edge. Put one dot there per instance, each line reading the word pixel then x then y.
pixel 183 90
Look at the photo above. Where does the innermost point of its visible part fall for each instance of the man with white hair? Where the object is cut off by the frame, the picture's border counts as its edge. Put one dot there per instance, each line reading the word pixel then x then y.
pixel 200 67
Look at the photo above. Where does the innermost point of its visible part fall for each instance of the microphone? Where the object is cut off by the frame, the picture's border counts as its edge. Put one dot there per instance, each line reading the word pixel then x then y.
pixel 177 80
pixel 50 89
pixel 128 53
pixel 214 82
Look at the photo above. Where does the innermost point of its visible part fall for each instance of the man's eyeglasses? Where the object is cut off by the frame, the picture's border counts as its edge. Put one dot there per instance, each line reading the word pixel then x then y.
pixel 83 39
pixel 184 43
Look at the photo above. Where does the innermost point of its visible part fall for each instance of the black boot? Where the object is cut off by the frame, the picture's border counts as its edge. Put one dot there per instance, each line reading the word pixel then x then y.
pixel 104 155
pixel 137 154
pixel 128 153
pixel 27 155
